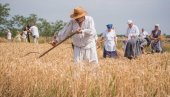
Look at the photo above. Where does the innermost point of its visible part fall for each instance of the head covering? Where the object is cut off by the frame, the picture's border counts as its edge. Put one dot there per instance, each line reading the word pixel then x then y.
pixel 157 25
pixel 129 22
pixel 78 13
pixel 109 26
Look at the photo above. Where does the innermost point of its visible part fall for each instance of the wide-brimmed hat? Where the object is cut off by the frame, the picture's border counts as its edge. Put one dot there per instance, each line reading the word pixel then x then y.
pixel 78 13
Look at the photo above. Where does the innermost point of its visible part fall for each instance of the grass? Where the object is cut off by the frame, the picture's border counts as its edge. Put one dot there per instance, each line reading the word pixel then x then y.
pixel 55 74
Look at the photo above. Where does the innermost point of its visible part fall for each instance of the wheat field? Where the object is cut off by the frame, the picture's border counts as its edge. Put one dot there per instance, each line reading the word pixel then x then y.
pixel 23 74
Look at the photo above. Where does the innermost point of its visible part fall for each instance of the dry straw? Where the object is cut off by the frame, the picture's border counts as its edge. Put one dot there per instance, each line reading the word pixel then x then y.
pixel 55 75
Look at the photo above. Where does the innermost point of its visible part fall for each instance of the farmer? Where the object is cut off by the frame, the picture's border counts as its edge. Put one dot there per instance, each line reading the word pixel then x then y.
pixel 28 33
pixel 110 40
pixel 84 39
pixel 18 37
pixel 142 43
pixel 132 48
pixel 9 35
pixel 144 39
pixel 132 30
pixel 156 44
pixel 24 35
pixel 143 33
pixel 35 34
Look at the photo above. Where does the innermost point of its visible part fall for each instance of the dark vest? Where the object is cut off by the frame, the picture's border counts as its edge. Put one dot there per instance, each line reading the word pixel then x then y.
pixel 156 35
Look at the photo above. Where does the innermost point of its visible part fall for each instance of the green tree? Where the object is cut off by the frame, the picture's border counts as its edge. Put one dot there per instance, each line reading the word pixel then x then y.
pixel 48 29
pixel 45 27
pixel 32 19
pixel 18 22
pixel 4 13
pixel 57 26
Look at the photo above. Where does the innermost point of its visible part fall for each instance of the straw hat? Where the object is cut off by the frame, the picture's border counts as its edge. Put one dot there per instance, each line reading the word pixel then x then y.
pixel 78 13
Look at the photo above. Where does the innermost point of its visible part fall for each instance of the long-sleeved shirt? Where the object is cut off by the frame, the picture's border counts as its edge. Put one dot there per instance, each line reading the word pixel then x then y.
pixel 34 31
pixel 132 32
pixel 24 34
pixel 143 34
pixel 84 40
pixel 9 35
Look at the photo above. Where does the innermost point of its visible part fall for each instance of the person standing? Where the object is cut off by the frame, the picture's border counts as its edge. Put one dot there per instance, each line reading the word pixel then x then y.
pixel 132 30
pixel 28 33
pixel 18 37
pixel 84 39
pixel 35 34
pixel 24 35
pixel 8 35
pixel 132 48
pixel 110 40
pixel 156 44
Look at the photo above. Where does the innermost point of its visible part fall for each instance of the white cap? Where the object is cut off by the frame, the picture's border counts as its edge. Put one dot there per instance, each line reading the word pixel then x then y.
pixel 157 25
pixel 129 22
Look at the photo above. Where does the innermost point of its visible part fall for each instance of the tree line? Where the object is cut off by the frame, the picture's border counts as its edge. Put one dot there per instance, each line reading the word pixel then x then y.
pixel 18 22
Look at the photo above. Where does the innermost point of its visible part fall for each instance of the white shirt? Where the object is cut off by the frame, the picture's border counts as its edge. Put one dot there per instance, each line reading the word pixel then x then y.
pixel 24 34
pixel 34 31
pixel 143 34
pixel 9 35
pixel 110 38
pixel 132 32
pixel 96 37
pixel 84 40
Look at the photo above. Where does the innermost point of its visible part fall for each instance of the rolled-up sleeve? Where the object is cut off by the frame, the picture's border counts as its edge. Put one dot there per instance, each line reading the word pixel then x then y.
pixel 90 30
pixel 64 32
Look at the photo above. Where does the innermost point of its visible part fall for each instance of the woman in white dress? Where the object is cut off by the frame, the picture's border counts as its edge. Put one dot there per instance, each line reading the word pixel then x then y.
pixel 24 35
pixel 132 44
pixel 110 41
pixel 9 35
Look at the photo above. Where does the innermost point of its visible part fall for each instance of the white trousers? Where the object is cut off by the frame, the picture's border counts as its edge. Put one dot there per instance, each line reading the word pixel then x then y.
pixel 35 39
pixel 88 55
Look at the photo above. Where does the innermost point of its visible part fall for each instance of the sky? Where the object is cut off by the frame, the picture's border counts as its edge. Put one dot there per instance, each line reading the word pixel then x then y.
pixel 144 13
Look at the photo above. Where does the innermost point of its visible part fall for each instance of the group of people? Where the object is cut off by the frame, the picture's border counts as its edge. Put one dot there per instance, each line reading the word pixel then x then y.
pixel 84 41
pixel 85 38
pixel 136 41
pixel 24 36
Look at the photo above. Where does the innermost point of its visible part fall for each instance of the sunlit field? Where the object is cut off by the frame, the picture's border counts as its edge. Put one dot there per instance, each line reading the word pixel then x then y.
pixel 23 74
